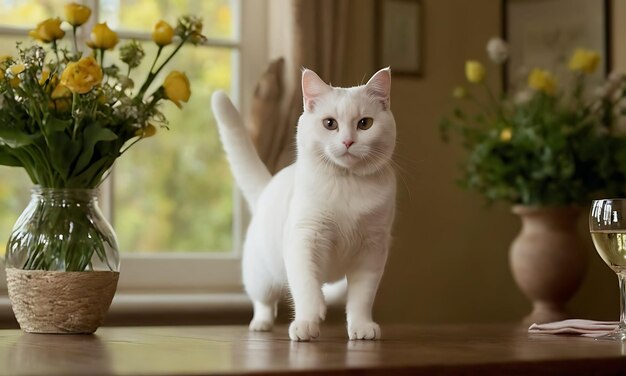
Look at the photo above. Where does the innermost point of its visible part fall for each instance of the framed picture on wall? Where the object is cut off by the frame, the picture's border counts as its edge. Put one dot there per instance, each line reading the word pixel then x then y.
pixel 544 34
pixel 399 36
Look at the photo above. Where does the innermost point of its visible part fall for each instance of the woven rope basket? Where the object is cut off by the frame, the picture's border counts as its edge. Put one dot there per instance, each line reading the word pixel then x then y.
pixel 60 302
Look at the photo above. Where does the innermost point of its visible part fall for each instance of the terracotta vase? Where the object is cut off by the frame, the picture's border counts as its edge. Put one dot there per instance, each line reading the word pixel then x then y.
pixel 548 260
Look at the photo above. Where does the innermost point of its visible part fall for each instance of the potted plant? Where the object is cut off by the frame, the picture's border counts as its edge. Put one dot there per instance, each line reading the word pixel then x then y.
pixel 546 147
pixel 66 115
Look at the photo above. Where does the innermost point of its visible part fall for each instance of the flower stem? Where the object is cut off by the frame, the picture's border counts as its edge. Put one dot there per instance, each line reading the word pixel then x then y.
pixel 56 51
pixel 152 74
pixel 150 77
pixel 75 41
pixel 74 105
pixel 493 101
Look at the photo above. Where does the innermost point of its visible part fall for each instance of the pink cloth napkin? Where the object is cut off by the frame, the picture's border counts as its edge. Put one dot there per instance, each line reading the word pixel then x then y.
pixel 586 328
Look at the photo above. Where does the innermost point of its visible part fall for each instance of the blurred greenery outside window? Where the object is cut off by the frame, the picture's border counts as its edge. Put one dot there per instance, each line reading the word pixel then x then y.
pixel 172 193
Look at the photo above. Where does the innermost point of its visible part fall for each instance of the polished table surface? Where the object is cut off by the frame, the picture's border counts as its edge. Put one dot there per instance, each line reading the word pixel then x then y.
pixel 227 350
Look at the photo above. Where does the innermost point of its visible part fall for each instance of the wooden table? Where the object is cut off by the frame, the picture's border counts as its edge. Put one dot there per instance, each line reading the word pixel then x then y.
pixel 220 350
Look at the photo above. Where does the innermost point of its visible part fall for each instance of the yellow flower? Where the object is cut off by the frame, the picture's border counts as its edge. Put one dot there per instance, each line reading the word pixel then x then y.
pixel 102 37
pixel 61 91
pixel 162 34
pixel 82 75
pixel 459 92
pixel 3 58
pixel 76 14
pixel 61 98
pixel 48 31
pixel 15 82
pixel 474 71
pixel 177 88
pixel 149 131
pixel 45 74
pixel 584 61
pixel 542 80
pixel 17 69
pixel 506 134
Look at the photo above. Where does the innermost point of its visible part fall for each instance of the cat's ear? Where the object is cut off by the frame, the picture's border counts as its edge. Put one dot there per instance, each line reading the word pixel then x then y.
pixel 379 87
pixel 312 88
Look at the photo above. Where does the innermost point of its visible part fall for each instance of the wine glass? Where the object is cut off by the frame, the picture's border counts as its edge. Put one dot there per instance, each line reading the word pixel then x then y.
pixel 607 224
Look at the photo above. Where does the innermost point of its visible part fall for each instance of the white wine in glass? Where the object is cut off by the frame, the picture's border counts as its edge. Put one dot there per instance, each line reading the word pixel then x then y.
pixel 607 224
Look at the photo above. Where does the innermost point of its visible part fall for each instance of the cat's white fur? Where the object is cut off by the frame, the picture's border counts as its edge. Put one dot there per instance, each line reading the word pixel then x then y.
pixel 325 217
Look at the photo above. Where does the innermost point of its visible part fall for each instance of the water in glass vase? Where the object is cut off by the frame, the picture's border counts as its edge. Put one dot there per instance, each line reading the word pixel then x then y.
pixel 611 246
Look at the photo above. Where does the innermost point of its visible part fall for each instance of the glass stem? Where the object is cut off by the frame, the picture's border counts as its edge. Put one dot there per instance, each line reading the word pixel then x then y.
pixel 622 300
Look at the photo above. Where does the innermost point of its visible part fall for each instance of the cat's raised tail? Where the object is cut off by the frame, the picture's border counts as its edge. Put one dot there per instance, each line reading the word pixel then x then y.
pixel 251 174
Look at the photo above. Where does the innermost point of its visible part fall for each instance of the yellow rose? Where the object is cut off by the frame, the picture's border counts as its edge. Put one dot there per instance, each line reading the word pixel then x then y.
pixel 149 131
pixel 162 34
pixel 76 14
pixel 542 80
pixel 45 74
pixel 61 98
pixel 48 31
pixel 177 88
pixel 584 61
pixel 102 37
pixel 61 91
pixel 15 82
pixel 82 75
pixel 474 71
pixel 506 134
pixel 3 58
pixel 17 69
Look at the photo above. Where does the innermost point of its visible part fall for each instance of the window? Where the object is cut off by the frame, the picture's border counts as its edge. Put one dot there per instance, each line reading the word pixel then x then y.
pixel 170 198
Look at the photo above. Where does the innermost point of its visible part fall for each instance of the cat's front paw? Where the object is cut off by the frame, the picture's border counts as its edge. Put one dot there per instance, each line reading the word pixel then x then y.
pixel 364 330
pixel 260 326
pixel 304 330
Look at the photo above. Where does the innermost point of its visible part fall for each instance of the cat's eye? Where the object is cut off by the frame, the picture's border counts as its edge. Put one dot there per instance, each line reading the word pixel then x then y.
pixel 365 123
pixel 330 124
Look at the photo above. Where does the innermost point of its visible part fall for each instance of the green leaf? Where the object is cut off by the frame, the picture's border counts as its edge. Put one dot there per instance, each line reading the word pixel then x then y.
pixel 93 134
pixel 8 159
pixel 63 152
pixel 14 138
pixel 85 178
pixel 53 124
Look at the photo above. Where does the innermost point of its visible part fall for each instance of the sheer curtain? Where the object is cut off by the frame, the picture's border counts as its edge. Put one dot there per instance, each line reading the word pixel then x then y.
pixel 303 33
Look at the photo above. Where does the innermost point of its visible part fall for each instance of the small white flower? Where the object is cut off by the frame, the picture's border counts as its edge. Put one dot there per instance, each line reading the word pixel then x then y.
pixel 498 50
pixel 523 96
pixel 596 106
pixel 613 83
pixel 601 92
pixel 615 76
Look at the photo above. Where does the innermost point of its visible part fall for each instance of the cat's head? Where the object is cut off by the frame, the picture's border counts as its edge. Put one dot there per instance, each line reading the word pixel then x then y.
pixel 348 128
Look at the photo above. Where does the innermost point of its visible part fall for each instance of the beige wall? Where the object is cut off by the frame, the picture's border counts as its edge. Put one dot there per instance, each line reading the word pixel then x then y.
pixel 618 16
pixel 449 262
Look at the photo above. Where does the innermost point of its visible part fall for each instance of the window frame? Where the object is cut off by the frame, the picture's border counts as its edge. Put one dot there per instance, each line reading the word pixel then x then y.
pixel 181 274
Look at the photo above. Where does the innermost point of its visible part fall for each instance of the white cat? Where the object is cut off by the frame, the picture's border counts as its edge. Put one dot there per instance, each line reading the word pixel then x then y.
pixel 328 215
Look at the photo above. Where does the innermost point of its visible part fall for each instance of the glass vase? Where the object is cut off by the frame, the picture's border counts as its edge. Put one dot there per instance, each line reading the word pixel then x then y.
pixel 63 230
pixel 62 263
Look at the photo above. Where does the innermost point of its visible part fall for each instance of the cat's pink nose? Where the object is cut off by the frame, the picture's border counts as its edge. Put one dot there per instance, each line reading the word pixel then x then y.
pixel 348 143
